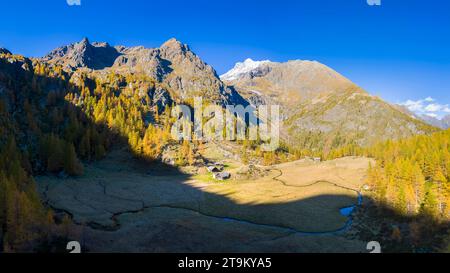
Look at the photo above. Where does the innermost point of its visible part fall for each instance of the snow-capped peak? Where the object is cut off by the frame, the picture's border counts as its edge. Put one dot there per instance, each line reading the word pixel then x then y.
pixel 242 68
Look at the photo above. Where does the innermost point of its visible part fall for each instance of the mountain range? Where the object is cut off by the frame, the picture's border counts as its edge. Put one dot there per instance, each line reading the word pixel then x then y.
pixel 443 123
pixel 173 66
pixel 320 107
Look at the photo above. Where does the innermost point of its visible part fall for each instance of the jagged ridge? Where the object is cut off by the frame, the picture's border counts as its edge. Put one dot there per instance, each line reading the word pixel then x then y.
pixel 180 71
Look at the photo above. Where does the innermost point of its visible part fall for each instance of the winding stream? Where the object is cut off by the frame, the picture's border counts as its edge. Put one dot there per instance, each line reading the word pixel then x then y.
pixel 346 211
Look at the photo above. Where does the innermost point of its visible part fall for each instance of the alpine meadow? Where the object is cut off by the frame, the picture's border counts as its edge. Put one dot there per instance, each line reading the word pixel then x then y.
pixel 99 143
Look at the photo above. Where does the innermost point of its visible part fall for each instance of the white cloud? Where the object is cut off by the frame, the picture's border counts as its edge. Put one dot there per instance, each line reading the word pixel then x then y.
pixel 74 2
pixel 434 107
pixel 431 115
pixel 427 107
pixel 414 105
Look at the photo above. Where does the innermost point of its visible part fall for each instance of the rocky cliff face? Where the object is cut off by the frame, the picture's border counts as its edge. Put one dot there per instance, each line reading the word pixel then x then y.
pixel 179 70
pixel 319 106
pixel 193 77
pixel 83 54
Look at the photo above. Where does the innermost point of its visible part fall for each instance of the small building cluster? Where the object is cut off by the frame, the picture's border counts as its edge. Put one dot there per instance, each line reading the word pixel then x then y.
pixel 222 176
pixel 217 170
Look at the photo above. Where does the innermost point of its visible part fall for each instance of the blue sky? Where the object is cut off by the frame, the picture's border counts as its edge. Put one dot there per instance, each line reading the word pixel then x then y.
pixel 399 50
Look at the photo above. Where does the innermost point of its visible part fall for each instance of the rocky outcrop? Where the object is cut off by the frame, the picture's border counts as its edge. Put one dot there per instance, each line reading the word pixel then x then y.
pixel 191 77
pixel 142 60
pixel 161 98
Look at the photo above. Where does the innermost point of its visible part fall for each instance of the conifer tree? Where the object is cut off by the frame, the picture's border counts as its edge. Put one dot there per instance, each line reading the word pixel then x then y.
pixel 72 165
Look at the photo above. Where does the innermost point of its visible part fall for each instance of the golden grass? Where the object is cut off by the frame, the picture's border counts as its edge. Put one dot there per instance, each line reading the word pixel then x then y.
pixel 265 201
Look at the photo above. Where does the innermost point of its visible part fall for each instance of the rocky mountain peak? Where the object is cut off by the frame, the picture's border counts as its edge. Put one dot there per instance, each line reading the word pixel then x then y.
pixel 175 44
pixel 4 51
pixel 84 43
pixel 83 54
pixel 173 48
pixel 242 68
pixel 85 40
pixel 294 80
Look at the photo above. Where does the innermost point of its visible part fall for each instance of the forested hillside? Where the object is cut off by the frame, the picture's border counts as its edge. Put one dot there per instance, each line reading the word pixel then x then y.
pixel 410 187
pixel 39 133
pixel 49 124
pixel 413 175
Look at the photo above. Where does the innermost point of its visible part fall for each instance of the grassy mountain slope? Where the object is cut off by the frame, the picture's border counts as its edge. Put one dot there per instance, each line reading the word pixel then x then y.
pixel 321 109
